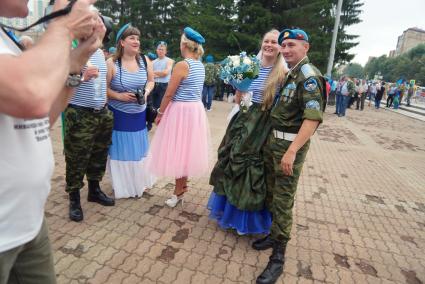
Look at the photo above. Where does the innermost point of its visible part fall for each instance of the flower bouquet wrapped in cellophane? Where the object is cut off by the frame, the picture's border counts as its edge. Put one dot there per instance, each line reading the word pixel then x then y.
pixel 239 71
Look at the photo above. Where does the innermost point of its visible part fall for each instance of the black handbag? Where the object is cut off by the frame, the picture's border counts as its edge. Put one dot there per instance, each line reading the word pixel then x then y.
pixel 151 113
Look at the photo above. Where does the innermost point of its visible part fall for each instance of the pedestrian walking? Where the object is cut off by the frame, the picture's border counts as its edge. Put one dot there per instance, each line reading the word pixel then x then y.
pixel 211 78
pixel 362 89
pixel 391 95
pixel 379 94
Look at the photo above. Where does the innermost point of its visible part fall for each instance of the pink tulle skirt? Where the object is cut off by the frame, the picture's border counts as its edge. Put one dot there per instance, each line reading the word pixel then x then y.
pixel 180 144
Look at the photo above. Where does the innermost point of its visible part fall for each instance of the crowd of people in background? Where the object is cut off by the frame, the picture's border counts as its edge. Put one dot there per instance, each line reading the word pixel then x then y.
pixel 349 92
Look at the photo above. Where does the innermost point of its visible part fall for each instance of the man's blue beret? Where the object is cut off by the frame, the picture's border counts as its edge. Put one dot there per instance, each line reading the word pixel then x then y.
pixel 292 34
pixel 194 35
pixel 209 59
pixel 164 43
pixel 152 56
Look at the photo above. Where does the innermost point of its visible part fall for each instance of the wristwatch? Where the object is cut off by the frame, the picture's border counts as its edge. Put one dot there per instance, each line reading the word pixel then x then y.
pixel 74 80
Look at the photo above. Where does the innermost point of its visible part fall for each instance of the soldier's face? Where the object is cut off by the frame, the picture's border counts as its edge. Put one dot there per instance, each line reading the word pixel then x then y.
pixel 13 8
pixel 294 50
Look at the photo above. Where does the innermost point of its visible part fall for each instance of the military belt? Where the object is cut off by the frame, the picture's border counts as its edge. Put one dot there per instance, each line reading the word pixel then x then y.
pixel 284 135
pixel 89 109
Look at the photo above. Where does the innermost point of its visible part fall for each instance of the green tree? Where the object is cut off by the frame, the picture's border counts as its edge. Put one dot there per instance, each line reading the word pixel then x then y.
pixel 231 26
pixel 410 65
pixel 354 70
pixel 316 17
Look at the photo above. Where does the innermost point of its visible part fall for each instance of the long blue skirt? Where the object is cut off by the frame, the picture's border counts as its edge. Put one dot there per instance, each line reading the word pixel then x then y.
pixel 244 222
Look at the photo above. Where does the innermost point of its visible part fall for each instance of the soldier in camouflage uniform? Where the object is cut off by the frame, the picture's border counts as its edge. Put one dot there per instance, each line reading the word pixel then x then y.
pixel 88 130
pixel 295 115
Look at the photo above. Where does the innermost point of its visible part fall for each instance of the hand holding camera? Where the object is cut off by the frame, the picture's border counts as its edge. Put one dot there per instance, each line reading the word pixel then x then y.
pixel 85 49
pixel 81 21
pixel 140 96
pixel 128 97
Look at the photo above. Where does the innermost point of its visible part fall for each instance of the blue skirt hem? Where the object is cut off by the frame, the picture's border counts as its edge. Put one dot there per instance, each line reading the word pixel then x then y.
pixel 244 222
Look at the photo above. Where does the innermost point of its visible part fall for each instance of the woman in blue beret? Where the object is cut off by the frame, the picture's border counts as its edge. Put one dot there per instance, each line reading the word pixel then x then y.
pixel 180 145
pixel 238 199
pixel 129 73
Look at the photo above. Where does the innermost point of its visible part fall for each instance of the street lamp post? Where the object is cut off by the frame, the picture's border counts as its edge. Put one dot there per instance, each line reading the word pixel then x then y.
pixel 334 36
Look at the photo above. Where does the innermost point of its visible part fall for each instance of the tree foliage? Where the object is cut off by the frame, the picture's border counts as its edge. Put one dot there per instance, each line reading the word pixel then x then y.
pixel 354 70
pixel 231 26
pixel 410 65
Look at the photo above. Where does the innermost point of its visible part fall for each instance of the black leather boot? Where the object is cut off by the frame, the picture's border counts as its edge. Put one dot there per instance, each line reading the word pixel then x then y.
pixel 275 266
pixel 75 210
pixel 263 244
pixel 96 194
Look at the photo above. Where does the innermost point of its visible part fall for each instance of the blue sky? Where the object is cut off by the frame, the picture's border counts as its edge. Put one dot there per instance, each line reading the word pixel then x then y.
pixel 383 22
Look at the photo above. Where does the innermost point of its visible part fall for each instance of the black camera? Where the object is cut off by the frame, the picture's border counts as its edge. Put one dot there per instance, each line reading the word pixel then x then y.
pixel 140 96
pixel 107 21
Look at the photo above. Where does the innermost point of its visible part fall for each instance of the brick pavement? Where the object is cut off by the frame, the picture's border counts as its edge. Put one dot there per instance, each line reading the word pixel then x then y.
pixel 359 217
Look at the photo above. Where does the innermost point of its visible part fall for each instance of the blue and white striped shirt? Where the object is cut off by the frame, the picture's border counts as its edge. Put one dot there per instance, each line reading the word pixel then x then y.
pixel 84 94
pixel 190 89
pixel 131 81
pixel 258 85
pixel 161 65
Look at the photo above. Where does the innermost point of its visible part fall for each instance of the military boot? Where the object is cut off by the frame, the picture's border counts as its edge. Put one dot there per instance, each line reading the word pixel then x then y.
pixel 275 266
pixel 75 210
pixel 96 194
pixel 263 244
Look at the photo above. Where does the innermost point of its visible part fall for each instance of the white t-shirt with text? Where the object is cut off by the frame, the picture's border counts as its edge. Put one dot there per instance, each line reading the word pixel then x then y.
pixel 26 167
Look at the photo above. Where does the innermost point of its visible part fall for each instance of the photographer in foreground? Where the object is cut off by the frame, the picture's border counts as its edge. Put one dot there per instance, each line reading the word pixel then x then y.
pixel 33 92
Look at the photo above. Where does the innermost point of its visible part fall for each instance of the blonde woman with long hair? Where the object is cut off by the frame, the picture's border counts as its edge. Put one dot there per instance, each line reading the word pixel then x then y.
pixel 238 199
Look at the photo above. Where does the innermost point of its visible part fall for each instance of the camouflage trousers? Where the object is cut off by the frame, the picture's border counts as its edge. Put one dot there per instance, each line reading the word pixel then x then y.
pixel 281 189
pixel 86 142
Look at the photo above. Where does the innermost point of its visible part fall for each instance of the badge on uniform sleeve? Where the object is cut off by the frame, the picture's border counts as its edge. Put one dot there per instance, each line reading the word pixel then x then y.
pixel 310 85
pixel 312 105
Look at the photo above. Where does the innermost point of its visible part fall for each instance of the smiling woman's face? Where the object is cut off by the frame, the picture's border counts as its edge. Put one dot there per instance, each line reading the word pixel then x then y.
pixel 270 46
pixel 14 8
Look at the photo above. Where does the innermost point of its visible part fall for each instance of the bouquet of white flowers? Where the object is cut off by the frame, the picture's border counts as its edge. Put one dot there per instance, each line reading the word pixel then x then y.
pixel 240 70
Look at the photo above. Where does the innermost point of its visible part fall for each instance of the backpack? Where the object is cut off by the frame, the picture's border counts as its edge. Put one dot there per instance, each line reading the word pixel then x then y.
pixel 211 74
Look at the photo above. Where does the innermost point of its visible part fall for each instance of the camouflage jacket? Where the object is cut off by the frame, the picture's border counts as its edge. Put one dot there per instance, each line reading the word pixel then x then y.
pixel 211 74
pixel 303 96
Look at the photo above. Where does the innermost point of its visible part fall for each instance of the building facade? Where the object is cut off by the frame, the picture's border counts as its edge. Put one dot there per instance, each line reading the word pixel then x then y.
pixel 410 38
pixel 36 11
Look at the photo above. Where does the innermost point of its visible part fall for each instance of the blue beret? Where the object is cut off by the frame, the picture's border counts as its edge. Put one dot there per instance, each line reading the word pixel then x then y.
pixel 292 34
pixel 194 35
pixel 152 56
pixel 209 58
pixel 112 49
pixel 161 43
pixel 121 31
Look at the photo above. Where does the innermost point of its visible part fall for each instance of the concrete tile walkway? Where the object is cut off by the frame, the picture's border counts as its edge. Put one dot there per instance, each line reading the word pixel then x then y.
pixel 359 217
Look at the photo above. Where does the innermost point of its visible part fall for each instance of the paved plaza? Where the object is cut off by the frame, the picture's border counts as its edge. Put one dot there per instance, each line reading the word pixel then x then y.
pixel 359 216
